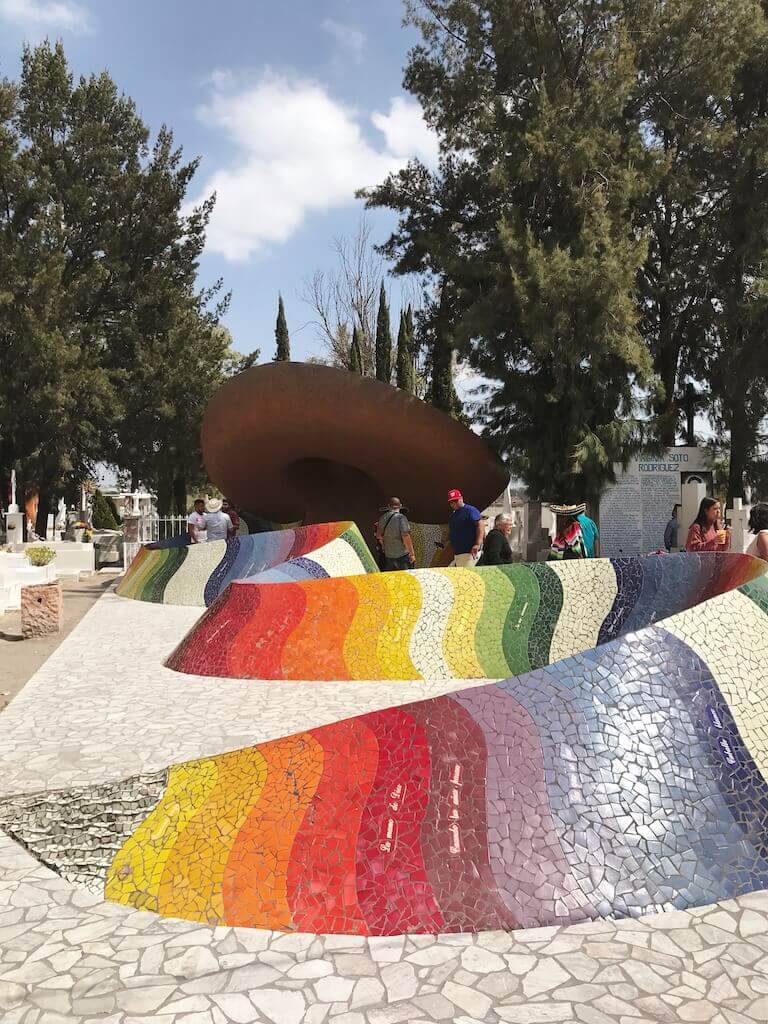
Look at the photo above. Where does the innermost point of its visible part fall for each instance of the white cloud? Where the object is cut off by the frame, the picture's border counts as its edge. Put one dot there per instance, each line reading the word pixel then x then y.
pixel 347 37
pixel 297 151
pixel 45 14
pixel 405 132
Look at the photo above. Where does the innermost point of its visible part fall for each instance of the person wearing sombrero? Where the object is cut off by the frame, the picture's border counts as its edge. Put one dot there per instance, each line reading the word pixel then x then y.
pixel 218 525
pixel 568 542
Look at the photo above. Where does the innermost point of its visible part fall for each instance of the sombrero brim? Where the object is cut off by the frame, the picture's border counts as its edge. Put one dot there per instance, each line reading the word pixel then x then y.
pixel 295 440
pixel 569 510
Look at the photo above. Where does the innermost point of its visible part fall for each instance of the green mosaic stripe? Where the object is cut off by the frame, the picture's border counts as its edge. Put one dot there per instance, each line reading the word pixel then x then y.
pixel 545 623
pixel 489 634
pixel 520 618
pixel 166 571
pixel 354 538
pixel 757 591
pixel 151 590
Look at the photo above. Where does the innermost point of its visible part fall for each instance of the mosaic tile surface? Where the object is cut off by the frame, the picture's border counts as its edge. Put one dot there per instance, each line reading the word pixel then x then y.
pixel 624 780
pixel 170 573
pixel 103 708
pixel 441 623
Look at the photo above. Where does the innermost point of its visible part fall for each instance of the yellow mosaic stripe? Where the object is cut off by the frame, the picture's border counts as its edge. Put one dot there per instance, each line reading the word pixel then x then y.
pixel 191 885
pixel 136 871
pixel 360 648
pixel 740 670
pixel 459 642
pixel 135 579
pixel 394 639
pixel 589 590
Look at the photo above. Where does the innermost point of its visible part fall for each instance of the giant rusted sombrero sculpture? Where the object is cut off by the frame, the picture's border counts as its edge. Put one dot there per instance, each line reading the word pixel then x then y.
pixel 300 442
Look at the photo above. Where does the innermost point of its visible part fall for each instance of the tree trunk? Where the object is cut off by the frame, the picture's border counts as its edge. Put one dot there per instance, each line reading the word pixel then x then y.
pixel 43 508
pixel 164 496
pixel 740 444
pixel 180 495
pixel 666 409
pixel 135 479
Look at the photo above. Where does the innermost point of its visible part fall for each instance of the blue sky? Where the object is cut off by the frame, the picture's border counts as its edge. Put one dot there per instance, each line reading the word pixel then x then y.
pixel 291 106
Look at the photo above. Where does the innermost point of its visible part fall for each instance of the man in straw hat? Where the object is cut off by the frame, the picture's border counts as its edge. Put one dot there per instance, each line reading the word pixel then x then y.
pixel 218 525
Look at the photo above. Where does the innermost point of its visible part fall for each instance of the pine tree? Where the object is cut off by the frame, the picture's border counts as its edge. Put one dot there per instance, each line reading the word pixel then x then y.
pixel 406 376
pixel 529 225
pixel 383 340
pixel 735 364
pixel 100 306
pixel 355 354
pixel 283 352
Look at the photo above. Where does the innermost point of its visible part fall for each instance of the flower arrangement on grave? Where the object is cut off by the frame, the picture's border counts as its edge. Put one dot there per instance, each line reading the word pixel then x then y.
pixel 86 528
pixel 41 555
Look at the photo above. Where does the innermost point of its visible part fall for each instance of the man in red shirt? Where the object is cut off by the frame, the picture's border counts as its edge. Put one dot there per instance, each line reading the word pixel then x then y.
pixel 229 508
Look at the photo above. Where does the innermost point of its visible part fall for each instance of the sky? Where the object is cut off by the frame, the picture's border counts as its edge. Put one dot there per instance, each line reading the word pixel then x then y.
pixel 291 107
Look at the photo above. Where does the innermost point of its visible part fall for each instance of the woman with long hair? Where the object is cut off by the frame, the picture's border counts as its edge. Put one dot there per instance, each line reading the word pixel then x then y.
pixel 707 532
pixel 758 524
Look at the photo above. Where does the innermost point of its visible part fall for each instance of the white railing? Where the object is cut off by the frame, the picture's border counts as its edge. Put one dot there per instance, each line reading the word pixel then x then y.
pixel 165 527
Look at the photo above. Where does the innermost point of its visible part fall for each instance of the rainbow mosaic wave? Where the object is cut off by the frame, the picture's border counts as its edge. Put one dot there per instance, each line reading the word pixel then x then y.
pixel 485 623
pixel 195 574
pixel 627 779
pixel 175 572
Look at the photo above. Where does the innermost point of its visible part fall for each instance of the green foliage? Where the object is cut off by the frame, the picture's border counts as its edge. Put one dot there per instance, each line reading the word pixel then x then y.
pixel 113 509
pixel 40 555
pixel 406 371
pixel 355 353
pixel 108 350
pixel 598 222
pixel 283 352
pixel 103 518
pixel 383 340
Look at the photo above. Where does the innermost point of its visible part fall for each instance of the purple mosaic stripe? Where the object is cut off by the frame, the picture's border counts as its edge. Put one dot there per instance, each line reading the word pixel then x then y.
pixel 629 582
pixel 629 786
pixel 218 581
pixel 529 865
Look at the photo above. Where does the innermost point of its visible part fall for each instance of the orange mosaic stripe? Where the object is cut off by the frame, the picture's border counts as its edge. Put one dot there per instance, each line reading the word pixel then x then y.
pixel 254 885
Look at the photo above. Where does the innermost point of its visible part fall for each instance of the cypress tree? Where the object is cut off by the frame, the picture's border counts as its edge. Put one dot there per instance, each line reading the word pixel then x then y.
pixel 355 354
pixel 283 352
pixel 383 340
pixel 442 393
pixel 406 378
pixel 103 519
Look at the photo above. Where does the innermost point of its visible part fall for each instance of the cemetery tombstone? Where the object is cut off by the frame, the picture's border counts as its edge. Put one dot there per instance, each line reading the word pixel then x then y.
pixel 635 510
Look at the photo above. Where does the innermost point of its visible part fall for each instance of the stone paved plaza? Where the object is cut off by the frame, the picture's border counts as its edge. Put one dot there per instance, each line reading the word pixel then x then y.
pixel 103 708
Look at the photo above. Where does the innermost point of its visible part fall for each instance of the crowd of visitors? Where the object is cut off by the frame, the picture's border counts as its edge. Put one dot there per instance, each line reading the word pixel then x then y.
pixel 212 520
pixel 576 534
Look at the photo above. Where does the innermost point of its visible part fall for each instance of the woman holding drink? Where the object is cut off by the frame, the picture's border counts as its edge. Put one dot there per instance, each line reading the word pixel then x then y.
pixel 707 532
